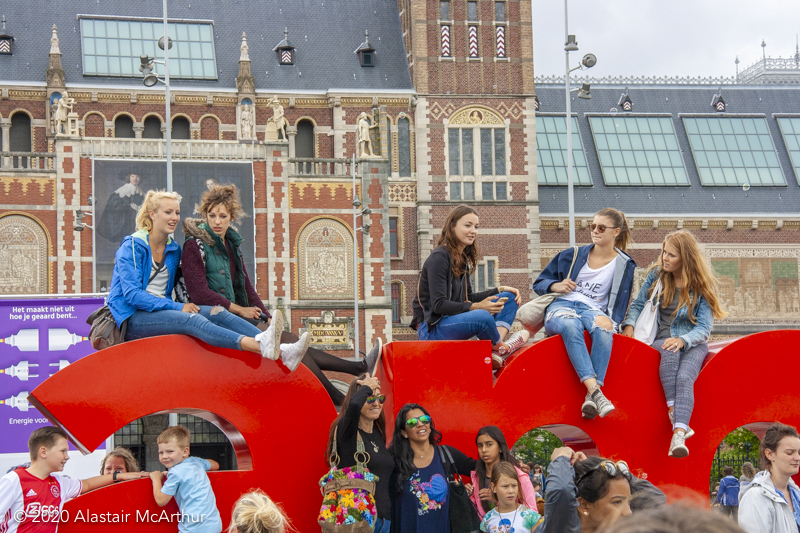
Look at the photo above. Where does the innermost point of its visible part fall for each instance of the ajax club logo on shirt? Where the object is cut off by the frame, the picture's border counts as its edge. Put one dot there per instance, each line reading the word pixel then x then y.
pixel 55 491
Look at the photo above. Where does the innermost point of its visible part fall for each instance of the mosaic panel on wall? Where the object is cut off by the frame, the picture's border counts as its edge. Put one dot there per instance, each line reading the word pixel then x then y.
pixel 325 261
pixel 23 256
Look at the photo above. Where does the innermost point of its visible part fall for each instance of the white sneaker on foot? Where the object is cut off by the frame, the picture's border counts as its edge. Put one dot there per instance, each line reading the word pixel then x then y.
pixel 677 446
pixel 270 340
pixel 292 354
pixel 604 406
pixel 497 361
pixel 514 343
pixel 589 408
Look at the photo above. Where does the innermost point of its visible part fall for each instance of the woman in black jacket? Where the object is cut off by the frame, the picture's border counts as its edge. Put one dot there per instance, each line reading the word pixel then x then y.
pixel 447 309
pixel 419 489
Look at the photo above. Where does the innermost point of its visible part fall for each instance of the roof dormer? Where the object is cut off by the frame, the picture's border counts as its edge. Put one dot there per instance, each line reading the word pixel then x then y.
pixel 285 50
pixel 366 53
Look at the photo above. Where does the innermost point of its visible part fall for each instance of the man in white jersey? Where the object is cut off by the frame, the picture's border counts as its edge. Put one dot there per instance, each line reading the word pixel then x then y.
pixel 31 498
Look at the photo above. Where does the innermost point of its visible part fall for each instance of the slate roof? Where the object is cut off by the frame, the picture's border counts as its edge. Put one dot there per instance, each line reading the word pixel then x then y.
pixel 324 32
pixel 692 200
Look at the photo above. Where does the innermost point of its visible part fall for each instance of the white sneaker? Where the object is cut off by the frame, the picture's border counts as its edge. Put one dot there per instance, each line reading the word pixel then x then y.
pixel 604 405
pixel 292 354
pixel 689 432
pixel 677 446
pixel 270 340
pixel 514 343
pixel 497 361
pixel 589 408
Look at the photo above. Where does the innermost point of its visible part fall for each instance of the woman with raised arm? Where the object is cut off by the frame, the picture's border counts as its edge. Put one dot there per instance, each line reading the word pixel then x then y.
pixel 215 274
pixel 446 308
pixel 593 298
pixel 145 268
pixel 689 305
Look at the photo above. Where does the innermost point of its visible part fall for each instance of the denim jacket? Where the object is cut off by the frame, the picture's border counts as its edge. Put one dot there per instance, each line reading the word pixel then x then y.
pixel 682 327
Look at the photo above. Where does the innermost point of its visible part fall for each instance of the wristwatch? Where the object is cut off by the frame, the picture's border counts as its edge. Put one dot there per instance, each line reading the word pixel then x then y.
pixel 114 476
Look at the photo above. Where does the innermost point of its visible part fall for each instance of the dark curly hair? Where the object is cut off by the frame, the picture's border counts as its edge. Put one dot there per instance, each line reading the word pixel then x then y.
pixel 400 447
pixel 227 195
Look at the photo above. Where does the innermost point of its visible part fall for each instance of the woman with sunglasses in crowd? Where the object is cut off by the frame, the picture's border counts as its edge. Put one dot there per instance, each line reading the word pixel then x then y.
pixel 446 308
pixel 362 414
pixel 594 299
pixel 419 489
pixel 689 305
pixel 584 494
pixel 215 275
pixel 492 450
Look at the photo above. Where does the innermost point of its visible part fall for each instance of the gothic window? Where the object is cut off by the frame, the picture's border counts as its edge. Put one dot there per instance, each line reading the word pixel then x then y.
pixel 472 11
pixel 20 137
pixel 325 261
pixel 484 275
pixel 181 129
pixel 396 303
pixel 444 10
pixel 152 128
pixel 500 11
pixel 123 127
pixel 476 152
pixel 393 241
pixel 404 147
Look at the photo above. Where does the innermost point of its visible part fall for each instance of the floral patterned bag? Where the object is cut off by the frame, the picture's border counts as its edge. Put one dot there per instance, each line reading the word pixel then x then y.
pixel 348 505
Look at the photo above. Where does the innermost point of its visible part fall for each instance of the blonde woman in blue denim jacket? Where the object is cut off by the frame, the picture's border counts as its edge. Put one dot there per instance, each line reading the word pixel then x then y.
pixel 688 307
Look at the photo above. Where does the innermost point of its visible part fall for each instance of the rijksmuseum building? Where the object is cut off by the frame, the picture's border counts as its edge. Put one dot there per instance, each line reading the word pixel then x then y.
pixel 268 94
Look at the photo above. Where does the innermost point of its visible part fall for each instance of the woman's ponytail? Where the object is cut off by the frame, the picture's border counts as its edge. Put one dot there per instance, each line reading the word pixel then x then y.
pixel 624 239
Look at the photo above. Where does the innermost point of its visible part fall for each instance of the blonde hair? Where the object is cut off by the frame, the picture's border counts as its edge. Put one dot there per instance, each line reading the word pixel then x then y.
pixel 131 464
pixel 152 201
pixel 697 276
pixel 255 512
pixel 179 434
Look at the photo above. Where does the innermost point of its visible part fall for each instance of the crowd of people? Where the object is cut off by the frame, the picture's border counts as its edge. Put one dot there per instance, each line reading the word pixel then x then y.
pixel 419 482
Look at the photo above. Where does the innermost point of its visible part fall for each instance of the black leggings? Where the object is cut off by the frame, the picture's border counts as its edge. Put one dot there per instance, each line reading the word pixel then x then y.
pixel 317 361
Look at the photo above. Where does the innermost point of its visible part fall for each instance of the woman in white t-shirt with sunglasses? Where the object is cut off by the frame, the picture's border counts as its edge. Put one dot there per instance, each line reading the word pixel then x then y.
pixel 594 299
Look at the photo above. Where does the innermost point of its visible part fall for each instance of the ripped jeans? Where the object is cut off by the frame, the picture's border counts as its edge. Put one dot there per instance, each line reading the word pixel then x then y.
pixel 570 319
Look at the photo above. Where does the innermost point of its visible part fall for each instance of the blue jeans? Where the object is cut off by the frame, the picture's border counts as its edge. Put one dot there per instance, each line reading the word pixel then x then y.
pixel 478 323
pixel 382 526
pixel 223 329
pixel 570 319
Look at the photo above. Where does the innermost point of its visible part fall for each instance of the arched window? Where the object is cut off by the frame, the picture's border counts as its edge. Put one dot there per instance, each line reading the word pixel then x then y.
pixel 123 127
pixel 152 128
pixel 404 147
pixel 304 142
pixel 181 128
pixel 20 137
pixel 209 129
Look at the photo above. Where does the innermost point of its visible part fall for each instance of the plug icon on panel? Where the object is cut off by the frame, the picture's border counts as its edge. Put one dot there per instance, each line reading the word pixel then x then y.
pixel 27 340
pixel 20 401
pixel 21 370
pixel 60 339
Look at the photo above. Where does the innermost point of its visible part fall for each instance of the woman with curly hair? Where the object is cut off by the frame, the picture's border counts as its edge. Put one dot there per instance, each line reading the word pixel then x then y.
pixel 215 275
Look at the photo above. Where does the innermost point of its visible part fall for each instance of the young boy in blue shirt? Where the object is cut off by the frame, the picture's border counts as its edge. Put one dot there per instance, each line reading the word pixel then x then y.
pixel 187 482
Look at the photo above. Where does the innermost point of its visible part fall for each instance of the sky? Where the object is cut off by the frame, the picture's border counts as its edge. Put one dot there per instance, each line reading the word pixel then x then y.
pixel 663 37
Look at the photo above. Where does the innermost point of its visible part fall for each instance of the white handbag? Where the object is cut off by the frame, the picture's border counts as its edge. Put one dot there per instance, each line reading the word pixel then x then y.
pixel 646 325
pixel 532 314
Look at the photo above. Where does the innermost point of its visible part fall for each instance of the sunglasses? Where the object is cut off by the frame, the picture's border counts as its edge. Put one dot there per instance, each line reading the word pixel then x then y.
pixel 414 422
pixel 610 468
pixel 600 227
pixel 372 399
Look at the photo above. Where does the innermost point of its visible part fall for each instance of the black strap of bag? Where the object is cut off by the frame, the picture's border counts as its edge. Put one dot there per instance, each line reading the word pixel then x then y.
pixel 463 516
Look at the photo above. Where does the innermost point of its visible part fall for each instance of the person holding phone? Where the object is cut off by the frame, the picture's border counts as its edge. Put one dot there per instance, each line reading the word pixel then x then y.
pixel 446 308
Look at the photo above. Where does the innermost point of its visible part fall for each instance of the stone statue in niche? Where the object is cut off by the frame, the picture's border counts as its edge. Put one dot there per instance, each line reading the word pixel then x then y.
pixel 277 124
pixel 363 127
pixel 64 107
pixel 247 122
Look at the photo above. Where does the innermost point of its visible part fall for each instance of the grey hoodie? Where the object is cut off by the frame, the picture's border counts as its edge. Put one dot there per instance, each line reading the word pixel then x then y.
pixel 762 508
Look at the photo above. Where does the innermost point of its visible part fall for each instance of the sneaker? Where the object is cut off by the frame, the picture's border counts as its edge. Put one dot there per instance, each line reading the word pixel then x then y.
pixel 374 356
pixel 689 432
pixel 677 446
pixel 497 361
pixel 604 406
pixel 589 408
pixel 514 343
pixel 292 354
pixel 270 340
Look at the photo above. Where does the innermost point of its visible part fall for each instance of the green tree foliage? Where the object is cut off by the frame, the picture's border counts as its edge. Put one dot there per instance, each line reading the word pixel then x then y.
pixel 536 446
pixel 741 440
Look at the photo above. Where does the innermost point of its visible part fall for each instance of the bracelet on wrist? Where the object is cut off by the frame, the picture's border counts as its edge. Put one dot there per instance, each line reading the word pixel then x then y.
pixel 114 477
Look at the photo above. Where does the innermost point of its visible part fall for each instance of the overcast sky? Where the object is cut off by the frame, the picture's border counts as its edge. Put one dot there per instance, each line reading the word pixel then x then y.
pixel 664 37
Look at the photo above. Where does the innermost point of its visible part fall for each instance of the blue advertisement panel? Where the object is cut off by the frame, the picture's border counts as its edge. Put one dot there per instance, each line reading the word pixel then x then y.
pixel 37 339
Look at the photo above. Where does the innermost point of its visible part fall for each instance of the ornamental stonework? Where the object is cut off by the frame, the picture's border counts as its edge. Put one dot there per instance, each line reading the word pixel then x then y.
pixel 23 256
pixel 325 261
pixel 403 192
pixel 473 116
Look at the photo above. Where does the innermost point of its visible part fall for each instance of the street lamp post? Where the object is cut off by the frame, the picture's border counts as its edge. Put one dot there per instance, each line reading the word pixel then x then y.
pixel 363 229
pixel 589 60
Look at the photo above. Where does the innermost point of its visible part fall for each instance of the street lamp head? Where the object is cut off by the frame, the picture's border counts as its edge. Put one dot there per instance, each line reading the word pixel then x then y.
pixel 584 92
pixel 365 229
pixel 161 42
pixel 589 60
pixel 571 45
pixel 150 79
